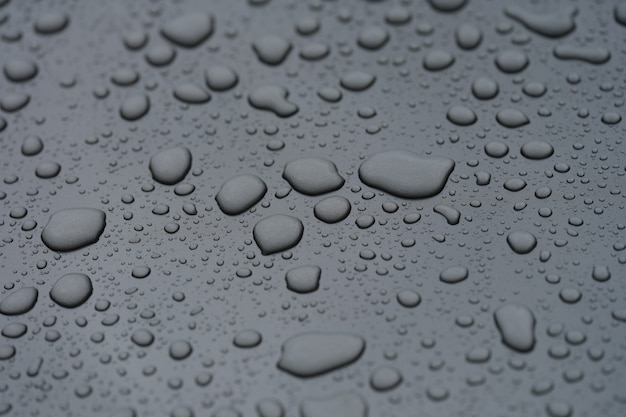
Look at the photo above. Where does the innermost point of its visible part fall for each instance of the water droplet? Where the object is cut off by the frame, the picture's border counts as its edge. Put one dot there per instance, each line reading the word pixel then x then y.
pixel 273 98
pixel 405 174
pixel 32 145
pixel 516 325
pixel 521 242
pixel 271 49
pixel 189 30
pixel 511 61
pixel 373 38
pixel 385 378
pixel 142 337
pixel 19 302
pixel 468 36
pixel 74 228
pixel 357 80
pixel 71 290
pixel 51 22
pixel 313 176
pixel 170 166
pixel 593 55
pixel 461 115
pixel 438 60
pixel 48 170
pixel 246 339
pixel 512 118
pixel 270 407
pixel 447 5
pixel 332 209
pixel 277 233
pixel 314 353
pixel 135 107
pixel 191 93
pixel 240 193
pixel 454 274
pixel 304 279
pixel 220 78
pixel 20 70
pixel 180 350
pixel 552 24
pixel 537 149
pixel 408 298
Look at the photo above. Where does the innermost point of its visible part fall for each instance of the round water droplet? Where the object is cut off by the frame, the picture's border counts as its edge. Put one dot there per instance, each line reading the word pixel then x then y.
pixel 511 61
pixel 438 60
pixel 277 233
pixel 220 78
pixel 521 242
pixel 170 166
pixel 135 107
pixel 461 115
pixel 537 149
pixel 332 209
pixel 385 378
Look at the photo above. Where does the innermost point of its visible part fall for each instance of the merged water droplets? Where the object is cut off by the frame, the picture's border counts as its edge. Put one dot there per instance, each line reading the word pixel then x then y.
pixel 553 24
pixel 406 174
pixel 313 176
pixel 314 353
pixel 273 98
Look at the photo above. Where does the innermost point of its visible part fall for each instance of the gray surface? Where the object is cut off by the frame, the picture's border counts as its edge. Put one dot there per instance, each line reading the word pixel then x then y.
pixel 104 157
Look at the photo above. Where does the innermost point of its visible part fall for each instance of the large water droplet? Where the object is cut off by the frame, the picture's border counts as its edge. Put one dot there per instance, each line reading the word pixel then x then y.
pixel 304 279
pixel 313 176
pixel 277 233
pixel 171 165
pixel 19 302
pixel 74 228
pixel 71 290
pixel 189 30
pixel 406 174
pixel 240 193
pixel 516 324
pixel 310 354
